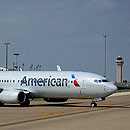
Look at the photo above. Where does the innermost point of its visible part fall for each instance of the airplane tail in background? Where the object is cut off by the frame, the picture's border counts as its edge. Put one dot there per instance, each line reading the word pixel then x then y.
pixel 58 68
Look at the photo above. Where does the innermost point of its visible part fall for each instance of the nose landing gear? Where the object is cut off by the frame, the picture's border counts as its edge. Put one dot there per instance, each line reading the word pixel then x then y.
pixel 93 104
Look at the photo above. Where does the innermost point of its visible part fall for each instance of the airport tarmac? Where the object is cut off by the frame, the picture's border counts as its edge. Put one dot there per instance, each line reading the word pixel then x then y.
pixel 113 113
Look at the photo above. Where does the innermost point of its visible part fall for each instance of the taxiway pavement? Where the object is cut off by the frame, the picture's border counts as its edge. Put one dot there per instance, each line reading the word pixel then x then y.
pixel 113 113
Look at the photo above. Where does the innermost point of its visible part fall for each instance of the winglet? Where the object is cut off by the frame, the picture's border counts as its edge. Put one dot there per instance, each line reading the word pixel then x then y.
pixel 58 68
pixel 20 69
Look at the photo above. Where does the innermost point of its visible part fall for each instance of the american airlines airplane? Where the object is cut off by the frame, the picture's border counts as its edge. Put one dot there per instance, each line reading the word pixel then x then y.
pixel 53 86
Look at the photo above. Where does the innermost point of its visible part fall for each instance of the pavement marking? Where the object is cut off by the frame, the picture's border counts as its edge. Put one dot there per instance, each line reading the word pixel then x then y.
pixel 47 113
pixel 80 108
pixel 106 104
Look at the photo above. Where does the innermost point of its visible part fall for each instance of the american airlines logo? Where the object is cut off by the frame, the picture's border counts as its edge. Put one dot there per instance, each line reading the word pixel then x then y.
pixel 48 81
pixel 75 81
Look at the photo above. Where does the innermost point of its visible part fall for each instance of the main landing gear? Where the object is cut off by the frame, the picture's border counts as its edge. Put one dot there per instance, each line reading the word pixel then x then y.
pixel 93 104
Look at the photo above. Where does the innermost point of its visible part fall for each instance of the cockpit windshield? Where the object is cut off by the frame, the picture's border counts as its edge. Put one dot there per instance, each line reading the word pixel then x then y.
pixel 105 80
pixel 100 81
pixel 97 81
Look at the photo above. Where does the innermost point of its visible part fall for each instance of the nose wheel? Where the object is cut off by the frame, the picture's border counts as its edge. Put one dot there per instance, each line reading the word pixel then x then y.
pixel 93 104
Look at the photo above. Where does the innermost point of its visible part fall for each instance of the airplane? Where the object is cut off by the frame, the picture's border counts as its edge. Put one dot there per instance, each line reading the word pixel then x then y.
pixel 53 86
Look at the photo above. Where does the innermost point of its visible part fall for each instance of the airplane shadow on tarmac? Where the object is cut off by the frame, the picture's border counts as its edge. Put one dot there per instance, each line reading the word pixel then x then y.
pixel 73 105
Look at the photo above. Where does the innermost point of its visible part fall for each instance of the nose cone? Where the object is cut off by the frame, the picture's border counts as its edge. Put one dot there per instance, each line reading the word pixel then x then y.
pixel 112 88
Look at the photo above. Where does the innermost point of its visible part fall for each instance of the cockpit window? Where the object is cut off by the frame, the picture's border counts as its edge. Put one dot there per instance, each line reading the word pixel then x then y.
pixel 105 80
pixel 97 81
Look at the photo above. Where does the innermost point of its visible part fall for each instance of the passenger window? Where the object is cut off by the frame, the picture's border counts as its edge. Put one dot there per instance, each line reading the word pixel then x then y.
pixel 13 81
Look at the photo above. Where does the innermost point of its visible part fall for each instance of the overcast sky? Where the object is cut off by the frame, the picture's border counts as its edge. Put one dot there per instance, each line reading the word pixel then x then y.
pixel 68 33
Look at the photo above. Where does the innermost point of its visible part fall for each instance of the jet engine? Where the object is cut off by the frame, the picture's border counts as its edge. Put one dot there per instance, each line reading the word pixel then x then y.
pixel 12 96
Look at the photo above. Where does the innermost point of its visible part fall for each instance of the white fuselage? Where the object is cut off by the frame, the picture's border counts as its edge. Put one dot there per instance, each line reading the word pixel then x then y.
pixel 53 84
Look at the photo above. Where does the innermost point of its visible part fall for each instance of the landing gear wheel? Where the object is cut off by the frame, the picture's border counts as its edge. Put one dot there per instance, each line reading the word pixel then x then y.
pixel 25 104
pixel 93 104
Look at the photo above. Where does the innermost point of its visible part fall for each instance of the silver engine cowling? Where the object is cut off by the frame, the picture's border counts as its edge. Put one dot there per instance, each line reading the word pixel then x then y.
pixel 12 96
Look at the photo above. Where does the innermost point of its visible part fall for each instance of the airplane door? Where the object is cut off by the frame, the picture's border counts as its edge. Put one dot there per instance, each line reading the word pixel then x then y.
pixel 83 84
pixel 83 89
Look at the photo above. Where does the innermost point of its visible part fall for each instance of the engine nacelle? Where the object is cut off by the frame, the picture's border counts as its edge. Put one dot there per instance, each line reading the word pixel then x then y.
pixel 12 96
pixel 55 99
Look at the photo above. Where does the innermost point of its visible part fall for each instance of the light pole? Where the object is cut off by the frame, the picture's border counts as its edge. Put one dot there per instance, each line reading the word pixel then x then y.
pixel 16 54
pixel 13 66
pixel 6 59
pixel 105 56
